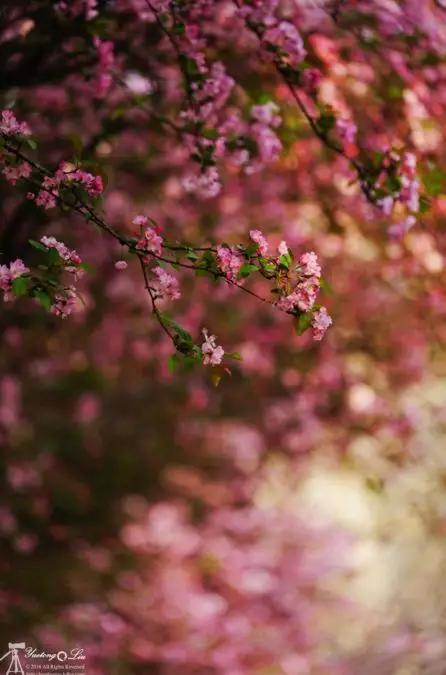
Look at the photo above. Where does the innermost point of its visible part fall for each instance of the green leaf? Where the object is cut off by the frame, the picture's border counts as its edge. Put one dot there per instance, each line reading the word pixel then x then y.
pixel 192 256
pixel 211 134
pixel 170 323
pixel 53 256
pixel 190 67
pixel 270 268
pixel 43 298
pixel 38 245
pixel 303 322
pixel 434 181
pixel 251 249
pixel 20 286
pixel 393 183
pixel 32 144
pixel 233 355
pixel 179 28
pixel 285 260
pixel 201 272
pixel 246 269
pixel 173 363
pixel 425 204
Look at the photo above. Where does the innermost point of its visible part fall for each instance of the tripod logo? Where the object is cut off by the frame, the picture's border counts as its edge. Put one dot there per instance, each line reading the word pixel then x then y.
pixel 14 664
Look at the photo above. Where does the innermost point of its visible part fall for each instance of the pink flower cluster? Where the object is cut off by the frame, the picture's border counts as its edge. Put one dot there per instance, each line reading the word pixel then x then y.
pixel 229 262
pixel 151 241
pixel 207 184
pixel 66 177
pixel 278 33
pixel 89 8
pixel 236 593
pixel 13 172
pixel 9 126
pixel 212 94
pixel 16 269
pixel 409 193
pixel 321 321
pixel 212 353
pixel 106 58
pixel 304 294
pixel 92 184
pixel 167 287
pixel 64 303
pixel 208 94
pixel 347 130
pixel 259 239
pixel 70 257
pixel 285 36
pixel 63 250
pixel 410 190
pixel 265 120
pixel 309 265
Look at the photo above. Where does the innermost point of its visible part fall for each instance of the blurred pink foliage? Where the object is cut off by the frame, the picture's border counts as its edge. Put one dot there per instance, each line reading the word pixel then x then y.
pixel 279 155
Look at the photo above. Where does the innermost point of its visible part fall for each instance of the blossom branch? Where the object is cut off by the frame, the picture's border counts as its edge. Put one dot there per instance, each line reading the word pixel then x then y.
pixel 295 286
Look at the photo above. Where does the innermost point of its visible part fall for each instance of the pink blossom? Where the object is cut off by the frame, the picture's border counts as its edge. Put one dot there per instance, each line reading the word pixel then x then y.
pixel 10 126
pixel 309 264
pixel 346 129
pixel 410 193
pixel 229 262
pixel 168 286
pixel 409 164
pixel 12 173
pixel 286 36
pixel 5 277
pixel 283 248
pixel 321 321
pixel 64 304
pixel 105 49
pixel 206 184
pixel 269 145
pixel 311 78
pixel 77 7
pixel 259 239
pixel 62 249
pixel 398 230
pixel 92 184
pixel 47 196
pixel 121 265
pixel 212 354
pixel 303 296
pixel 138 84
pixel 17 268
pixel 266 114
pixel 386 204
pixel 140 221
pixel 151 241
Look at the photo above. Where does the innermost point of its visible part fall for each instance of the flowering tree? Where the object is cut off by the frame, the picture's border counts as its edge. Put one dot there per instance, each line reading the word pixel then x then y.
pixel 219 164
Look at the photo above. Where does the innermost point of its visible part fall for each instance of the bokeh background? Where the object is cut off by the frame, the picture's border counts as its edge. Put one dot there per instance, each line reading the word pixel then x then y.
pixel 292 520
